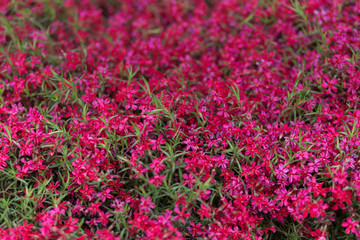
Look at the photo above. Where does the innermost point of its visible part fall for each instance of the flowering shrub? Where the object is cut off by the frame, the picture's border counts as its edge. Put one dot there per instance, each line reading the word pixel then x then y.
pixel 200 119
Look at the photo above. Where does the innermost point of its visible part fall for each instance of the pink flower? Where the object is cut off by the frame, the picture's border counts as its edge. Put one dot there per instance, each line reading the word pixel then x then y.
pixel 26 149
pixel 157 180
pixel 146 204
pixel 330 85
pixel 350 225
pixel 204 211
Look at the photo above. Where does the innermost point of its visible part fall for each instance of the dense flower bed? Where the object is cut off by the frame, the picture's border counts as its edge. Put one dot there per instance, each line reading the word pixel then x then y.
pixel 201 119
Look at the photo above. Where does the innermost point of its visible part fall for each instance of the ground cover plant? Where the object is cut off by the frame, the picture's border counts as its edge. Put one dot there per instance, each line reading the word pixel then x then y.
pixel 192 119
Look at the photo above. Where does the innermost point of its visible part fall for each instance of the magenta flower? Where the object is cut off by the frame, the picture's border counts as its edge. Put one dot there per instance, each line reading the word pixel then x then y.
pixel 350 225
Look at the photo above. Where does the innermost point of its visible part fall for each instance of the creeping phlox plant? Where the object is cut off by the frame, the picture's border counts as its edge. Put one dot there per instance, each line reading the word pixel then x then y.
pixel 192 119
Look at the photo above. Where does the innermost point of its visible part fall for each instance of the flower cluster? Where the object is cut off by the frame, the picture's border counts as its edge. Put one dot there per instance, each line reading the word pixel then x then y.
pixel 166 119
